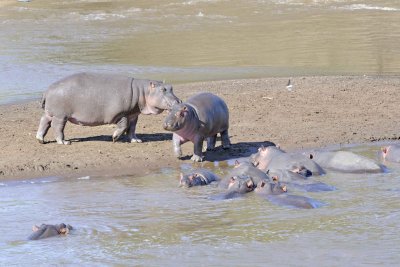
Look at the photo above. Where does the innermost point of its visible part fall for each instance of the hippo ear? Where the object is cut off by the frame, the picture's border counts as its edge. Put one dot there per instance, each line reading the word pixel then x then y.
pixel 262 184
pixel 152 85
pixel 181 176
pixel 284 188
pixel 249 183
pixel 275 178
pixel 35 228
pixel 237 163
pixel 384 150
pixel 64 231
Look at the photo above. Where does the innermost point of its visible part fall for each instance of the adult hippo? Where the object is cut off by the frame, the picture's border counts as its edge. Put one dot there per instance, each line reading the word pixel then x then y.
pixel 92 99
pixel 273 158
pixel 197 177
pixel 49 230
pixel 237 186
pixel 203 116
pixel 391 153
pixel 244 169
pixel 345 161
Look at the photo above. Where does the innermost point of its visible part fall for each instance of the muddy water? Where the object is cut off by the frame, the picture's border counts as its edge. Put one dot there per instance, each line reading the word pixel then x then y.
pixel 149 221
pixel 187 40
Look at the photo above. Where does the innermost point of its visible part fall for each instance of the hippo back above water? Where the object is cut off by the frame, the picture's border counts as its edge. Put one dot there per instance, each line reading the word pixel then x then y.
pixel 202 116
pixel 93 99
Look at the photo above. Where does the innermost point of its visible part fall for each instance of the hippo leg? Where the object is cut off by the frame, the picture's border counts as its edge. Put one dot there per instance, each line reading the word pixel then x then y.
pixel 122 126
pixel 44 126
pixel 58 126
pixel 132 128
pixel 198 149
pixel 226 143
pixel 211 142
pixel 177 141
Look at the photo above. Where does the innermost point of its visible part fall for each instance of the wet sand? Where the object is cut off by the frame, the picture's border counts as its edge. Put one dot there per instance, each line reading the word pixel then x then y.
pixel 319 111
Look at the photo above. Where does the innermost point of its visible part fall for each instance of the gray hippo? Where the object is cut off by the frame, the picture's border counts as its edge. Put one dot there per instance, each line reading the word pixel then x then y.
pixel 273 158
pixel 197 177
pixel 298 180
pixel 345 161
pixel 391 153
pixel 49 230
pixel 237 186
pixel 92 99
pixel 276 193
pixel 202 116
pixel 244 169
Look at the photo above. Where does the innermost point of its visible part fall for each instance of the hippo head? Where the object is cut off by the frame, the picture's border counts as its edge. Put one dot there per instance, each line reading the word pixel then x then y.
pixel 241 184
pixel 176 118
pixel 159 97
pixel 187 180
pixel 274 188
pixel 257 159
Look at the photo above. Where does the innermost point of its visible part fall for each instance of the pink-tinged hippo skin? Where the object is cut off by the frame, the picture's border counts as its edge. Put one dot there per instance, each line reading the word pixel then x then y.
pixel 345 161
pixel 202 116
pixel 92 99
pixel 197 177
pixel 237 187
pixel 273 158
pixel 391 153
pixel 49 230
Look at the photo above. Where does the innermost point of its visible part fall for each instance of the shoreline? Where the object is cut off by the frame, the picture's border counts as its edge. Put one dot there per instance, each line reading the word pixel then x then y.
pixel 319 111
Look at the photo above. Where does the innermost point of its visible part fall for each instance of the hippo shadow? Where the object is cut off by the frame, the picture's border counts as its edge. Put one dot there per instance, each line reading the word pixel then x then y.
pixel 124 139
pixel 237 150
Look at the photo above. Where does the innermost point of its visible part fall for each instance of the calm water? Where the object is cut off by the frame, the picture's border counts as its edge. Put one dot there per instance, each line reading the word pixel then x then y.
pixel 149 221
pixel 189 40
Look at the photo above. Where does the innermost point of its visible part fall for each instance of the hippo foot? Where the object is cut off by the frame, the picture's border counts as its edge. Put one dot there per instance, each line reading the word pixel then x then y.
pixel 136 140
pixel 63 142
pixel 40 140
pixel 197 158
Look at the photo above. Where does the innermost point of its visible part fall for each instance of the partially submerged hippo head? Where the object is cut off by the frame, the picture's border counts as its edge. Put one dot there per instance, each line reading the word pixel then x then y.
pixel 191 179
pixel 160 97
pixel 176 118
pixel 49 230
pixel 263 157
pixel 274 188
pixel 241 184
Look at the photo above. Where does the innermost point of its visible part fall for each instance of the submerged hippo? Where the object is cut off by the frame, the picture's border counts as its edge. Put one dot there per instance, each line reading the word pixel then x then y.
pixel 237 186
pixel 245 169
pixel 49 230
pixel 391 153
pixel 197 177
pixel 203 116
pixel 345 161
pixel 92 99
pixel 273 158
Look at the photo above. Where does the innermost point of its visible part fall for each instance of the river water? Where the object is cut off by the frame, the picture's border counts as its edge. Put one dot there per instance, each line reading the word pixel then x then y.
pixel 42 41
pixel 150 221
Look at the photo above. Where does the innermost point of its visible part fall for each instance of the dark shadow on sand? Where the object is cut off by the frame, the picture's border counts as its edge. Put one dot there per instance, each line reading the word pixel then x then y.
pixel 237 150
pixel 125 139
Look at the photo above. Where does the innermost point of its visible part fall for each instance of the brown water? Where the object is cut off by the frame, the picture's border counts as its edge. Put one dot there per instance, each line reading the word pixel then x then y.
pixel 149 221
pixel 189 40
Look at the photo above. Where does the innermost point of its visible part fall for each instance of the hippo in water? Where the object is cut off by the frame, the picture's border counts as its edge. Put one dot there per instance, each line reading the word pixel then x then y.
pixel 49 230
pixel 345 161
pixel 237 186
pixel 273 158
pixel 197 177
pixel 244 169
pixel 391 153
pixel 202 116
pixel 92 99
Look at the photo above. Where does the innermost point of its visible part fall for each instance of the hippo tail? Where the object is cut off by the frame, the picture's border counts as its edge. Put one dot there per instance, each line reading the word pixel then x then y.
pixel 43 101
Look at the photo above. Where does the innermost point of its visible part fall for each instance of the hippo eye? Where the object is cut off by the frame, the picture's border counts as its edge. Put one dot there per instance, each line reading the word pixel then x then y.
pixel 163 89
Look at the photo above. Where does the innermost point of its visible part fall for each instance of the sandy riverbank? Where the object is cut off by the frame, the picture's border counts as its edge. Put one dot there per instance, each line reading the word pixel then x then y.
pixel 319 111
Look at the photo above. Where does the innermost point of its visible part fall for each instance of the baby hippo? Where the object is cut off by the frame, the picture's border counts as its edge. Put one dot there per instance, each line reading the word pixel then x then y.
pixel 49 230
pixel 197 177
pixel 391 153
pixel 203 116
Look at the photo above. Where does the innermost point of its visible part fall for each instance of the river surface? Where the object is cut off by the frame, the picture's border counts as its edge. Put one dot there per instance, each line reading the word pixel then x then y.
pixel 150 221
pixel 42 41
